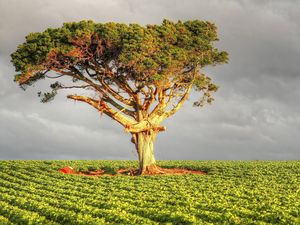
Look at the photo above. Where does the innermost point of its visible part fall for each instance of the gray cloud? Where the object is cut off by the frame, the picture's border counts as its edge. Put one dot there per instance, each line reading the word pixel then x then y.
pixel 255 115
pixel 33 136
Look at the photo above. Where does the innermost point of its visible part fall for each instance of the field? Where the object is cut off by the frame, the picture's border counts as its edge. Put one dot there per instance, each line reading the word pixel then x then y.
pixel 233 192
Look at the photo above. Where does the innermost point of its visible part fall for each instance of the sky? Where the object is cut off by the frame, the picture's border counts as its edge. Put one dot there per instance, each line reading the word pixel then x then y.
pixel 255 115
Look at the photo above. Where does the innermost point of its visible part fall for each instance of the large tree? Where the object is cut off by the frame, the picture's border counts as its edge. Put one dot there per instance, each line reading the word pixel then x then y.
pixel 137 75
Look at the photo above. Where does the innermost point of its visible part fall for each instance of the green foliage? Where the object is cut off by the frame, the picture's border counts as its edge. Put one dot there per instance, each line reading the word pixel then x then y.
pixel 233 192
pixel 49 96
pixel 147 54
pixel 204 83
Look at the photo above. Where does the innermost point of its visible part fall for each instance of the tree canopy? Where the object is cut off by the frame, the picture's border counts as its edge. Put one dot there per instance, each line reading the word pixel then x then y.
pixel 155 54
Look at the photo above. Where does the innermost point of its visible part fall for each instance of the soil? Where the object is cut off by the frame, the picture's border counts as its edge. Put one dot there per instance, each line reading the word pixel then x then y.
pixel 132 172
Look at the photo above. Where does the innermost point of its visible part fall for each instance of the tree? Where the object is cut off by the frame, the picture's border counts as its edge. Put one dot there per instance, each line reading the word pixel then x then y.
pixel 137 75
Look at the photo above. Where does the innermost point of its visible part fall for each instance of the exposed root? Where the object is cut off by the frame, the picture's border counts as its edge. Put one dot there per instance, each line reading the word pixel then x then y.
pixel 149 171
pixel 152 170
pixel 156 170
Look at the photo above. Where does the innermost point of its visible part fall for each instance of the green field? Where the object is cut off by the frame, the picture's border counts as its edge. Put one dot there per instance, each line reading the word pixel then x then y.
pixel 233 192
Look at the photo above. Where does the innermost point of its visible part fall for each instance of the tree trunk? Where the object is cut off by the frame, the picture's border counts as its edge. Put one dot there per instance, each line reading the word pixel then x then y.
pixel 144 142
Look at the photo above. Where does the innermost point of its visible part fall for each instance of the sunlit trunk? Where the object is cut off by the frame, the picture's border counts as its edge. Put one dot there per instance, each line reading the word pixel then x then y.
pixel 144 142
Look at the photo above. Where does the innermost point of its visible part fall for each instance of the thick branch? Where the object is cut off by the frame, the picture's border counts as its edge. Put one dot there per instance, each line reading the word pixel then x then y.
pixel 180 103
pixel 105 71
pixel 151 98
pixel 98 88
pixel 144 126
pixel 77 75
pixel 161 104
pixel 115 94
pixel 164 104
pixel 88 100
pixel 104 89
pixel 120 108
pixel 102 107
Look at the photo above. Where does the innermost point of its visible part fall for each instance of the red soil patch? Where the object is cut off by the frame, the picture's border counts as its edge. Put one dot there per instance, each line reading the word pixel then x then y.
pixel 132 172
pixel 162 171
pixel 67 170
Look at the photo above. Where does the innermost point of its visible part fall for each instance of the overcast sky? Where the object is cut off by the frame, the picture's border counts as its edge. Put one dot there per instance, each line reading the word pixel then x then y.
pixel 256 114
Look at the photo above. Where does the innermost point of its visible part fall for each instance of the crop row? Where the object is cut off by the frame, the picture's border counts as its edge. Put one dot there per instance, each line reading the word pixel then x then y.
pixel 33 192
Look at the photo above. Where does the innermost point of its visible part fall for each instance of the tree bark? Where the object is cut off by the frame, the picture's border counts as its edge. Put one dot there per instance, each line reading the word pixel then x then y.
pixel 144 142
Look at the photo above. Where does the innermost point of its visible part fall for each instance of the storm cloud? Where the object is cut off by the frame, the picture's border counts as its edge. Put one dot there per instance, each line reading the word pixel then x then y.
pixel 256 114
